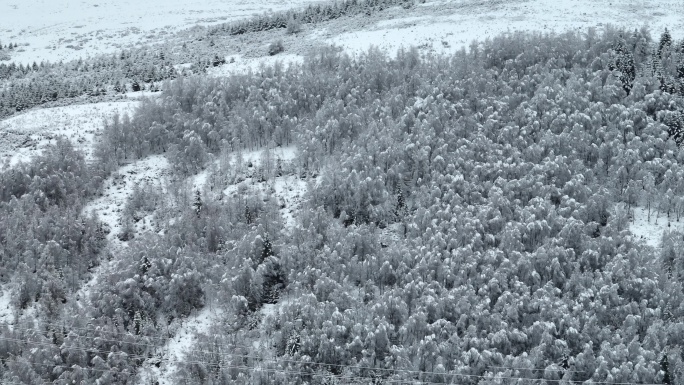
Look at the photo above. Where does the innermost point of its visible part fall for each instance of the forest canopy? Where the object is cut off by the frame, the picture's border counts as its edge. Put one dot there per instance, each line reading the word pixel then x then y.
pixel 466 221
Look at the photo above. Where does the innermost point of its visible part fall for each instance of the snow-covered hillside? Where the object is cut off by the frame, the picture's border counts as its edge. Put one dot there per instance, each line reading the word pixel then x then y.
pixel 23 136
pixel 446 26
pixel 61 30
pixel 119 187
pixel 66 30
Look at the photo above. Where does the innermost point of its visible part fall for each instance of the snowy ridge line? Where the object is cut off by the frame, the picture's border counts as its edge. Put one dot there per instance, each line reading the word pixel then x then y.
pixel 213 364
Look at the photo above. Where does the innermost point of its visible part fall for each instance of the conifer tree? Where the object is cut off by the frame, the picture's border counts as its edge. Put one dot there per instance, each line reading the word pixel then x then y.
pixel 197 204
pixel 665 43
pixel 665 367
pixel 624 63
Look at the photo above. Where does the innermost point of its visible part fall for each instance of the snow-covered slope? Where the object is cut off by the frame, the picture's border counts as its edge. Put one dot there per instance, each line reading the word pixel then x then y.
pixel 23 136
pixel 63 30
pixel 54 31
pixel 57 30
pixel 650 231
pixel 119 186
pixel 239 65
pixel 177 347
pixel 446 26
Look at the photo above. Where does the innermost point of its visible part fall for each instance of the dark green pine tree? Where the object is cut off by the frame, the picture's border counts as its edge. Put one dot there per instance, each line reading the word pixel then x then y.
pixel 137 321
pixel 675 128
pixel 145 265
pixel 665 367
pixel 624 62
pixel 248 215
pixel 197 204
pixel 665 43
pixel 267 251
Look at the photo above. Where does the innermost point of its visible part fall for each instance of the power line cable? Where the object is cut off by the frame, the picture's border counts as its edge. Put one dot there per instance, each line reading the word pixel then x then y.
pixel 393 371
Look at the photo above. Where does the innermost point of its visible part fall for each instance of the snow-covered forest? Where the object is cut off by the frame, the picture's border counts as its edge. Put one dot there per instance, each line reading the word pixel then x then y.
pixel 409 217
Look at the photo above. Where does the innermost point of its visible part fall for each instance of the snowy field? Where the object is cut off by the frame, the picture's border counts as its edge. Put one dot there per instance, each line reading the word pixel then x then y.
pixel 239 65
pixel 25 135
pixel 57 30
pixel 447 26
pixel 63 30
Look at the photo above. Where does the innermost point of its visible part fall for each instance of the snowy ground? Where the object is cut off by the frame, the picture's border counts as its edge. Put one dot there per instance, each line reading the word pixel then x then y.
pixel 57 30
pixel 117 189
pixel 239 65
pixel 25 135
pixel 177 347
pixel 288 190
pixel 446 26
pixel 119 186
pixel 650 232
pixel 6 308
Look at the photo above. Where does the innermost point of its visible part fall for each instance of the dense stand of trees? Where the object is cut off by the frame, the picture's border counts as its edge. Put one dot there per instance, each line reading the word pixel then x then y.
pixel 312 14
pixel 27 86
pixel 466 221
pixel 46 243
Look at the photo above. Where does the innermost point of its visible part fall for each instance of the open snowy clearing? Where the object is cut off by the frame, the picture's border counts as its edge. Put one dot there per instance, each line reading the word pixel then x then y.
pixel 65 30
pixel 6 308
pixel 24 136
pixel 651 232
pixel 177 347
pixel 59 30
pixel 288 190
pixel 238 65
pixel 119 186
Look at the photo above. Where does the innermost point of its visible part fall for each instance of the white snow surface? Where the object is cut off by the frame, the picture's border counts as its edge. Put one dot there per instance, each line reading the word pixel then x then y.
pixel 177 347
pixel 447 26
pixel 6 308
pixel 239 65
pixel 57 30
pixel 119 186
pixel 24 136
pixel 288 190
pixel 650 232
